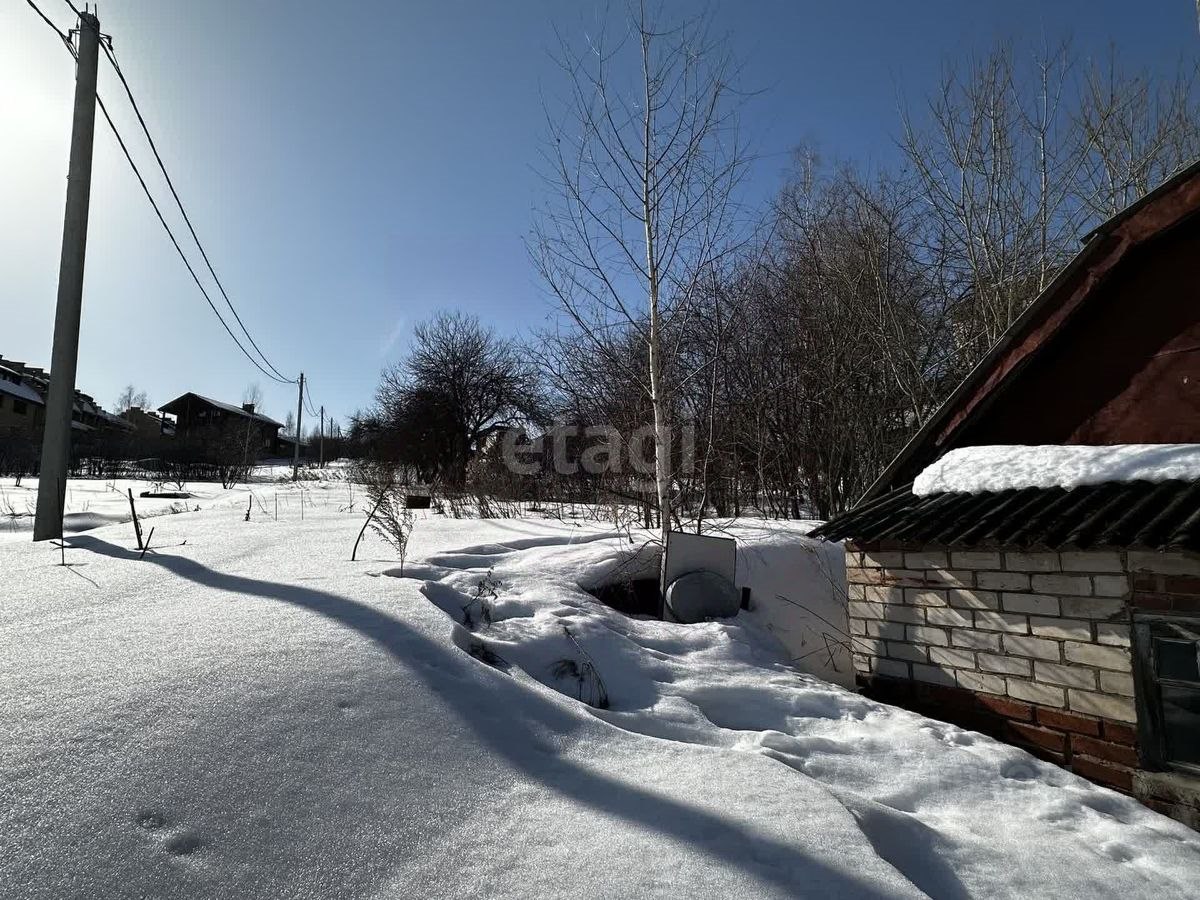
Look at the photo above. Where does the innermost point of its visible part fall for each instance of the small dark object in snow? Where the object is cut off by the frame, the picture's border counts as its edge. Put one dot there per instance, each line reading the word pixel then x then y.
pixel 486 589
pixel 482 652
pixel 590 687
pixel 166 495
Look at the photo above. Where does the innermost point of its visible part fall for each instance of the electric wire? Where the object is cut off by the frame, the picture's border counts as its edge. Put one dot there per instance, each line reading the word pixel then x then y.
pixel 308 400
pixel 187 220
pixel 162 220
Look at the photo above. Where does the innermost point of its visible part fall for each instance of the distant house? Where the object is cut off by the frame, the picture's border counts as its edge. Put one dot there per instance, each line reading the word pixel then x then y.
pixel 33 383
pixel 285 447
pixel 204 420
pixel 23 393
pixel 110 423
pixel 149 425
pixel 1061 617
pixel 22 409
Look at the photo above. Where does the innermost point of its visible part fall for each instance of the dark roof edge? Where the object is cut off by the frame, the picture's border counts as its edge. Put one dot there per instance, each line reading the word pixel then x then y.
pixel 228 407
pixel 1166 187
pixel 1091 241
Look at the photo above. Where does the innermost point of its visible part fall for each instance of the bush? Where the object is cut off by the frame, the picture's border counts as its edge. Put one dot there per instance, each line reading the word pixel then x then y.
pixel 387 498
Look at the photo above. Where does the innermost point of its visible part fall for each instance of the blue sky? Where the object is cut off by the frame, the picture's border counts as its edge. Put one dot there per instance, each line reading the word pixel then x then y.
pixel 353 166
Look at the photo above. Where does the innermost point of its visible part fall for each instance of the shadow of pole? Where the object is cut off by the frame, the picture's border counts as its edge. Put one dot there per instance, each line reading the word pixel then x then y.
pixel 789 867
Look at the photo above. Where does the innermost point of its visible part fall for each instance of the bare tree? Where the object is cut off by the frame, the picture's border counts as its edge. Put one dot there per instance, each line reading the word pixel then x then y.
pixel 253 395
pixel 131 397
pixel 1138 130
pixel 643 169
pixel 460 383
pixel 996 166
pixel 1016 161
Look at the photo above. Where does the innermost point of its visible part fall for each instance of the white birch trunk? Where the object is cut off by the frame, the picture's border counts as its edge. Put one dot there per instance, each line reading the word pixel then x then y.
pixel 662 428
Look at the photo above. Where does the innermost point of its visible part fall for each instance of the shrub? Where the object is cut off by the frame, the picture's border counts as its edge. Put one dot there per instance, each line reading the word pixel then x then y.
pixel 389 517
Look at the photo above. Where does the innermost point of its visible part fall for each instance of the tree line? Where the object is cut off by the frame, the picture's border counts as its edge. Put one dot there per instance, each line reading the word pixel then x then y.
pixel 799 346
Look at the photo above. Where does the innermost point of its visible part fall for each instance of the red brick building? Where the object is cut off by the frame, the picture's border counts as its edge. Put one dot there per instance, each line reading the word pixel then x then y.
pixel 1062 619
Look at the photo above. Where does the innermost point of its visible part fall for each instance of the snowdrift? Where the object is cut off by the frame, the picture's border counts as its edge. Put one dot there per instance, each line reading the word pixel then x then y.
pixel 250 714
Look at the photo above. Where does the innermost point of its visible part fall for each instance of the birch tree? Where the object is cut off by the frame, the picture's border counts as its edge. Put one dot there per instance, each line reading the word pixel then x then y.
pixel 131 397
pixel 643 161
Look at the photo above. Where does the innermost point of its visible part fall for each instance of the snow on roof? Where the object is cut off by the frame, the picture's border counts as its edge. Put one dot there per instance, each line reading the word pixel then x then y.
pixel 21 391
pixel 976 470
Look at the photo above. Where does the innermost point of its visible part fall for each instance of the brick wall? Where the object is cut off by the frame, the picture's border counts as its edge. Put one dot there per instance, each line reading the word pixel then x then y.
pixel 1033 648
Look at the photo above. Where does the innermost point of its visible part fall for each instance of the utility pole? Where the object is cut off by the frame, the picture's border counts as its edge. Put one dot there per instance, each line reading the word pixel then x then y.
pixel 322 456
pixel 56 438
pixel 299 415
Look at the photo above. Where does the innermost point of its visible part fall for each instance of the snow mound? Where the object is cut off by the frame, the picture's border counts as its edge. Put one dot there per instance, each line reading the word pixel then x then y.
pixel 947 808
pixel 977 470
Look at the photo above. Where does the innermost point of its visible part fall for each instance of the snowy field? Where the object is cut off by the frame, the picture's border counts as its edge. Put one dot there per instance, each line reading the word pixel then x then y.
pixel 245 713
pixel 90 503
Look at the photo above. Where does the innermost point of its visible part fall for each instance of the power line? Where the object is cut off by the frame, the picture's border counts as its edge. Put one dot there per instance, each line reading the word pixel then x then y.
pixel 308 399
pixel 145 188
pixel 179 249
pixel 54 27
pixel 170 184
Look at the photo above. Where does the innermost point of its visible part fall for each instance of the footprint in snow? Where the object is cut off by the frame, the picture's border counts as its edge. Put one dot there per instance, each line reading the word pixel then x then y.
pixel 1111 807
pixel 957 738
pixel 1017 770
pixel 151 820
pixel 1119 852
pixel 176 841
pixel 184 844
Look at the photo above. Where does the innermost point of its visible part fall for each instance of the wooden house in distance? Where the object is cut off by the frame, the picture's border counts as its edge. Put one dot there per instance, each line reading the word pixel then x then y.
pixel 203 420
pixel 1058 613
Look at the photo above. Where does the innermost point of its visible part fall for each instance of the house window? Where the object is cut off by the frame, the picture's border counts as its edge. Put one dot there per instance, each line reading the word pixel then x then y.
pixel 1168 659
pixel 19 407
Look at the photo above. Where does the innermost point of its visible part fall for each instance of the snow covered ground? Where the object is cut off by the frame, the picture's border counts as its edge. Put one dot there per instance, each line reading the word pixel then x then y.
pixel 246 713
pixel 90 503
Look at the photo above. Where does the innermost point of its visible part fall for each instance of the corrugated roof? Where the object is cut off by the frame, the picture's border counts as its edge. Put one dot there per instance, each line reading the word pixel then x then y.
pixel 1140 515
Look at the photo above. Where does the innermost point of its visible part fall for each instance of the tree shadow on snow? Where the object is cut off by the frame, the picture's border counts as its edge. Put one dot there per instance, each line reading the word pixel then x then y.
pixel 783 864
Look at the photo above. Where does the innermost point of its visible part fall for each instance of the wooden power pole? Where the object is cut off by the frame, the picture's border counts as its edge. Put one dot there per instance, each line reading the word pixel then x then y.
pixel 60 399
pixel 322 452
